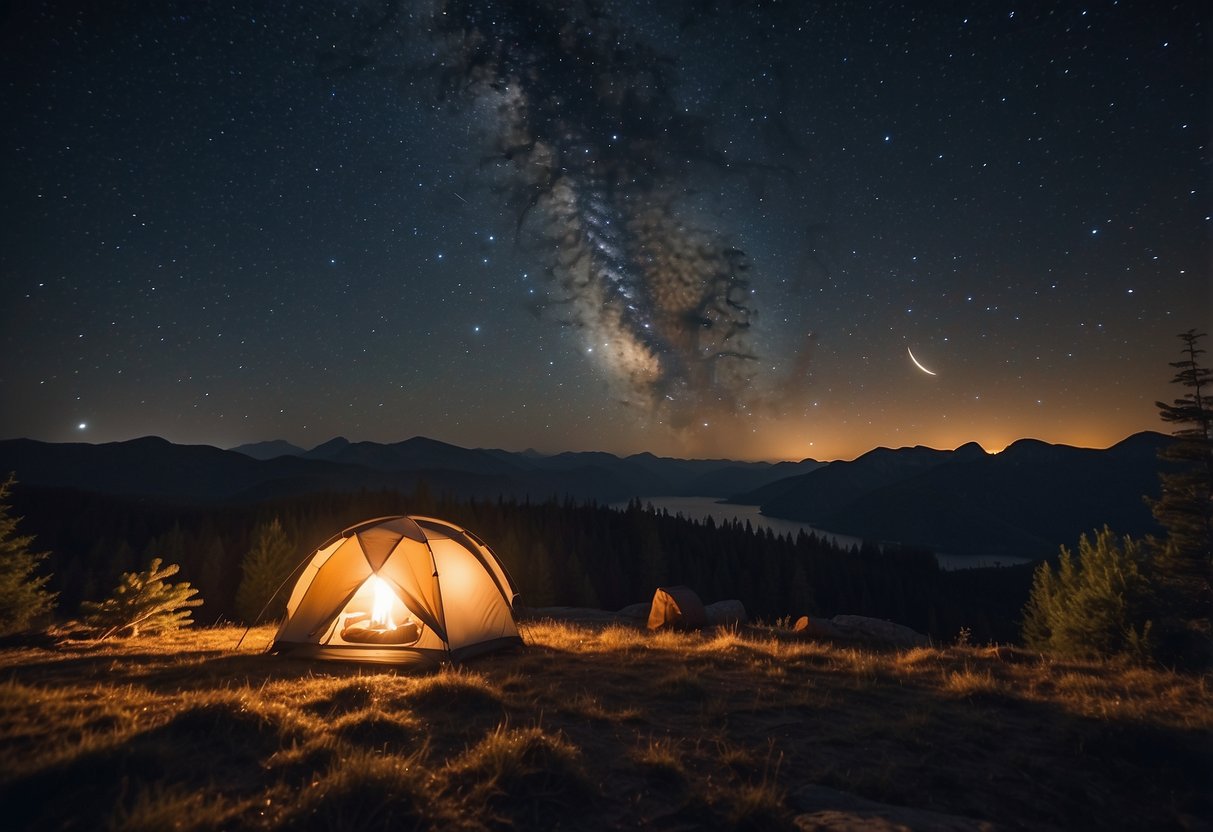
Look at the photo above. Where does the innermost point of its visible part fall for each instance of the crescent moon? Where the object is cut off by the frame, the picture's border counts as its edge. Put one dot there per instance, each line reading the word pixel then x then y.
pixel 917 364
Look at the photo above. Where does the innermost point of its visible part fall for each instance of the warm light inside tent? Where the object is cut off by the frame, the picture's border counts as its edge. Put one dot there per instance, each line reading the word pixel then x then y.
pixel 376 615
pixel 381 609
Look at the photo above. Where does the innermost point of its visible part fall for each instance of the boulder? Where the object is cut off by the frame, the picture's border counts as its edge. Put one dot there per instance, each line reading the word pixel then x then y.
pixel 877 629
pixel 579 615
pixel 638 611
pixel 819 627
pixel 726 613
pixel 829 810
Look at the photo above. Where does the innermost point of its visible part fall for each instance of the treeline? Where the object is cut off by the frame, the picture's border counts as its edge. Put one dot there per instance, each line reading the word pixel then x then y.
pixel 558 552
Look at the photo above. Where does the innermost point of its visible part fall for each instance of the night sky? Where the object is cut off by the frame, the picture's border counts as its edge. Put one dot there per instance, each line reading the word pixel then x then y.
pixel 692 228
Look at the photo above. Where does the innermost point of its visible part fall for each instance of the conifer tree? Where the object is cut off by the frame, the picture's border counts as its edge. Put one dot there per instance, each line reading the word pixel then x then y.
pixel 142 603
pixel 266 566
pixel 1184 558
pixel 24 597
pixel 1098 605
pixel 1185 506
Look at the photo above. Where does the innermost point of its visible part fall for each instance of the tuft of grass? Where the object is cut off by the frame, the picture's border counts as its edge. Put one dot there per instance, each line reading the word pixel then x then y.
pixel 374 729
pixel 526 774
pixel 662 756
pixel 967 682
pixel 735 757
pixel 452 690
pixel 363 790
pixel 917 657
pixel 587 705
pixel 758 806
pixel 680 682
pixel 346 696
pixel 159 808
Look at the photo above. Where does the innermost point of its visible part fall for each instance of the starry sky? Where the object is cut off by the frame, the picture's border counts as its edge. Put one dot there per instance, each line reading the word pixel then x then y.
pixel 691 227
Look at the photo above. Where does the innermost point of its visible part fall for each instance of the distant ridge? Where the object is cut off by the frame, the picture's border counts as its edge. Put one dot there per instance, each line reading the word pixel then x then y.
pixel 1030 498
pixel 1025 501
pixel 154 467
pixel 269 450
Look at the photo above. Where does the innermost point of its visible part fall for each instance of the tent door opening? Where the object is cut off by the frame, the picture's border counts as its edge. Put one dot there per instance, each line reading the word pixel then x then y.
pixel 374 615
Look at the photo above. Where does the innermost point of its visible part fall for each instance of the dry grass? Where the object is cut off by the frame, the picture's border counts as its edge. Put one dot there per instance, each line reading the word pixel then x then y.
pixel 590 728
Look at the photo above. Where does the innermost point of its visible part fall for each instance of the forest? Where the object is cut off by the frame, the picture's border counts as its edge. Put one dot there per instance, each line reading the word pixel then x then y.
pixel 558 552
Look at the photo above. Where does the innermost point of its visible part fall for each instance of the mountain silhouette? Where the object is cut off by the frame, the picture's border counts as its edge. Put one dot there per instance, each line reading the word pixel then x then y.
pixel 151 466
pixel 1025 501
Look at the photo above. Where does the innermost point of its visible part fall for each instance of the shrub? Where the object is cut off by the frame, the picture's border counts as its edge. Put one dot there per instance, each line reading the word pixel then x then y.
pixel 142 603
pixel 1096 606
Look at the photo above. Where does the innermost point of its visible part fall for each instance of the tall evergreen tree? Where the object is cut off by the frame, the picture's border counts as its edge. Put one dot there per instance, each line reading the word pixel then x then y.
pixel 24 597
pixel 266 566
pixel 1185 507
pixel 1184 560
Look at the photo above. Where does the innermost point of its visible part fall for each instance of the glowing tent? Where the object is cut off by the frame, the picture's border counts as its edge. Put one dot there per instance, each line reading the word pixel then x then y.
pixel 406 590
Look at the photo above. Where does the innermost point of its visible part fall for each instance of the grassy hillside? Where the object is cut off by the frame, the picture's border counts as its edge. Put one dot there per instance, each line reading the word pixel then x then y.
pixel 590 729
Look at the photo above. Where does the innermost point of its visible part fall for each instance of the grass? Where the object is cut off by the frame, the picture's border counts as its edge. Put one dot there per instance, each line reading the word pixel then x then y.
pixel 591 728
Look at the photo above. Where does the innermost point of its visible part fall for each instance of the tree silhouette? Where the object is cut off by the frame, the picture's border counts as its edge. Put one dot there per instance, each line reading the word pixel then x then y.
pixel 266 566
pixel 1185 506
pixel 24 597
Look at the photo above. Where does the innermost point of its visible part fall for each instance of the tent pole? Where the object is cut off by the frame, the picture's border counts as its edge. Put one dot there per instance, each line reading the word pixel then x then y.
pixel 275 595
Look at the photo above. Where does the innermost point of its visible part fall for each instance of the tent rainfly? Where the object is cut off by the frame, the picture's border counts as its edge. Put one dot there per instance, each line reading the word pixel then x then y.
pixel 676 607
pixel 401 590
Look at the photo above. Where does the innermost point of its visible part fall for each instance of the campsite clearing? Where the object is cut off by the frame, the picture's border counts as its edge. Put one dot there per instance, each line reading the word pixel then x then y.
pixel 590 728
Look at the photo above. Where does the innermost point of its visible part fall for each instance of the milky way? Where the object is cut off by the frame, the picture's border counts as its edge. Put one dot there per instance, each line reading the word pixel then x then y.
pixel 515 224
pixel 596 156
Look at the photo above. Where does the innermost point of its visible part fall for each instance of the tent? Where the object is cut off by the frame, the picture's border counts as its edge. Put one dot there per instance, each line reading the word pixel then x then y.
pixel 404 590
pixel 677 607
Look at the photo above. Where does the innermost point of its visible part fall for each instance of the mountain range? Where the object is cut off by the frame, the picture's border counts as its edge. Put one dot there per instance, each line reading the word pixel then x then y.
pixel 154 467
pixel 1024 501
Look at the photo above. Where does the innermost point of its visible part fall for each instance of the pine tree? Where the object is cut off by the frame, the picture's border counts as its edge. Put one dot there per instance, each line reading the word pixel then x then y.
pixel 142 603
pixel 1098 605
pixel 24 598
pixel 1185 507
pixel 266 566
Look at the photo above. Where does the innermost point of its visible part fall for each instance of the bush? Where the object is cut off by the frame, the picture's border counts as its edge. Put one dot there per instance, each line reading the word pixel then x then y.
pixel 1100 605
pixel 142 603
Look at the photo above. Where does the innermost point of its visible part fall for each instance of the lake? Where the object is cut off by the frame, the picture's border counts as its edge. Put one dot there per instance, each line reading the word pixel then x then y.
pixel 701 508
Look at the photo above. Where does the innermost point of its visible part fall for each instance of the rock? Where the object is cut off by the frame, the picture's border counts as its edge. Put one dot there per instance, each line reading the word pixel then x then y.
pixel 876 629
pixel 725 613
pixel 638 611
pixel 579 615
pixel 816 627
pixel 830 810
